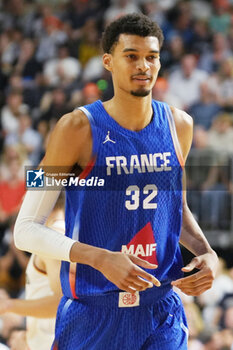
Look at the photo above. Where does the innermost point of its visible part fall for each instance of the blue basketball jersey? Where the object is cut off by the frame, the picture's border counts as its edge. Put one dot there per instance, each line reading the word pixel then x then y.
pixel 129 199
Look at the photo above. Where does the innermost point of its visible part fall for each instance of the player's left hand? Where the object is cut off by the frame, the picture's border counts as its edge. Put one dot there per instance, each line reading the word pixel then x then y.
pixel 202 280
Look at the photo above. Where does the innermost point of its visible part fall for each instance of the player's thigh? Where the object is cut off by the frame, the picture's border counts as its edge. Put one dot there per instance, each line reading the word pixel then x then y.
pixel 172 332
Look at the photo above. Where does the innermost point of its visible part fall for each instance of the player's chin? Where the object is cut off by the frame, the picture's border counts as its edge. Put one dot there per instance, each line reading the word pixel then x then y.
pixel 142 92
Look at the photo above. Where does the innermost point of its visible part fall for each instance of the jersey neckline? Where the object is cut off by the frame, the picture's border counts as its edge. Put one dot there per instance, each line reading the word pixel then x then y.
pixel 116 125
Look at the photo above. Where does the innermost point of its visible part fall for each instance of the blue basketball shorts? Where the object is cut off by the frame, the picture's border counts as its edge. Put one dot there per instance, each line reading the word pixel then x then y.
pixel 98 323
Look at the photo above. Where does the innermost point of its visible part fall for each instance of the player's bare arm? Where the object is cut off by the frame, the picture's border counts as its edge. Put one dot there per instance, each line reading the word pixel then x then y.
pixel 192 236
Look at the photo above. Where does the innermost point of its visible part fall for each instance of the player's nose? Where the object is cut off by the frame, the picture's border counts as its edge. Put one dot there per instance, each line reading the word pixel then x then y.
pixel 143 65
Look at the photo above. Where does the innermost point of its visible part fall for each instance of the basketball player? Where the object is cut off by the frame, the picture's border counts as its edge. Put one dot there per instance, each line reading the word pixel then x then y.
pixel 43 293
pixel 125 235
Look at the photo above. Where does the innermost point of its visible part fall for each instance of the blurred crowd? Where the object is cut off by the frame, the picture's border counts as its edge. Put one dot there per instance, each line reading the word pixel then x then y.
pixel 51 63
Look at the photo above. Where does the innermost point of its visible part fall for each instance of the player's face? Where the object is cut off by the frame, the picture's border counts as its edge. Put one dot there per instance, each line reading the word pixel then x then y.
pixel 134 64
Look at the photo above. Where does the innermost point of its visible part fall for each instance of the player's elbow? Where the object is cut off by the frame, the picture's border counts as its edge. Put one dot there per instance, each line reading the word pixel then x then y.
pixel 21 228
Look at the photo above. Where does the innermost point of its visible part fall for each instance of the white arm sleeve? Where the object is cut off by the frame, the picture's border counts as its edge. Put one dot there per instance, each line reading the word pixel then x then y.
pixel 31 235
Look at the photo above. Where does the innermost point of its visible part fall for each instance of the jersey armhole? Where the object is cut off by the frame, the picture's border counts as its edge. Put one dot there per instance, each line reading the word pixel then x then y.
pixel 93 130
pixel 91 163
pixel 175 140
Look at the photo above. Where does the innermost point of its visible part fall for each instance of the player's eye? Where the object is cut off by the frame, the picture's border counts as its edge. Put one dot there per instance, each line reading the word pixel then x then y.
pixel 153 57
pixel 131 56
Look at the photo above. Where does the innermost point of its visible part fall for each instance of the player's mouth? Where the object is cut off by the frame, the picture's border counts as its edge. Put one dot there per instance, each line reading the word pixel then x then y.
pixel 141 79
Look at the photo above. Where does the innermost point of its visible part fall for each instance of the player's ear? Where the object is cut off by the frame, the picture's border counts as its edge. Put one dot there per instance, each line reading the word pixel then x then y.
pixel 107 61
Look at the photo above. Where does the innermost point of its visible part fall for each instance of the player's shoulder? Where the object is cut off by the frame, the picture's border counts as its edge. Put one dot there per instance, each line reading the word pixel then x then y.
pixel 182 119
pixel 69 140
pixel 73 121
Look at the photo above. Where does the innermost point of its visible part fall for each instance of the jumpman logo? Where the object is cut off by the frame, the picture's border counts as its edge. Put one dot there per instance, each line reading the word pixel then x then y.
pixel 107 138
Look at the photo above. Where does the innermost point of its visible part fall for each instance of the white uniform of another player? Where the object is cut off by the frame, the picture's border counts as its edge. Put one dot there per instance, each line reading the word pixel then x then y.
pixel 40 331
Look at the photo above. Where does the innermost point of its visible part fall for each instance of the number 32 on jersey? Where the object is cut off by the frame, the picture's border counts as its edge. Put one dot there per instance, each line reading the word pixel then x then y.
pixel 134 192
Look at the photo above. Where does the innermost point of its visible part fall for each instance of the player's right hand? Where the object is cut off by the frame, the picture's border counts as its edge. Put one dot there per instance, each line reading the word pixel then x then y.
pixel 123 270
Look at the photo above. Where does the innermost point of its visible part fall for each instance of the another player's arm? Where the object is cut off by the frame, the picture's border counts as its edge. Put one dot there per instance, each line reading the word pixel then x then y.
pixel 45 307
pixel 192 236
pixel 71 143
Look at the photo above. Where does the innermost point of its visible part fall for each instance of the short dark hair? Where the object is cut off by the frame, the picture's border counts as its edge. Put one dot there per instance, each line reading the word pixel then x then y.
pixel 134 24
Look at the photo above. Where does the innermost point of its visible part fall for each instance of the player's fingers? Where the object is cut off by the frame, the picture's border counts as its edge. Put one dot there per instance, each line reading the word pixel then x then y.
pixel 138 287
pixel 127 288
pixel 193 283
pixel 195 277
pixel 194 263
pixel 143 263
pixel 140 282
pixel 195 290
pixel 147 276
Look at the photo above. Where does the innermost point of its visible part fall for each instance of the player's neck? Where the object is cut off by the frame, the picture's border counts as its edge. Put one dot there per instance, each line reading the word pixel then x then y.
pixel 133 113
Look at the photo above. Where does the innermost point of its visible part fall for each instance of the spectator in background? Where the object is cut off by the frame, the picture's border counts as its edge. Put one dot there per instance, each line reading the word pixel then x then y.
pixel 43 129
pixel 11 192
pixel 220 136
pixel 202 37
pixel 209 301
pixel 166 5
pixel 10 112
pixel 220 19
pixel 172 55
pixel 14 84
pixel 89 44
pixel 222 83
pixel 153 9
pixel 63 70
pixel 212 340
pixel 91 93
pixel 160 92
pixel 11 184
pixel 119 8
pixel 201 10
pixel 8 51
pixel 206 108
pixel 180 17
pixel 185 81
pixel 54 104
pixel 10 153
pixel 93 69
pixel 52 35
pixel 78 12
pixel 226 309
pixel 27 65
pixel 211 60
pixel 15 11
pixel 31 91
pixel 29 138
